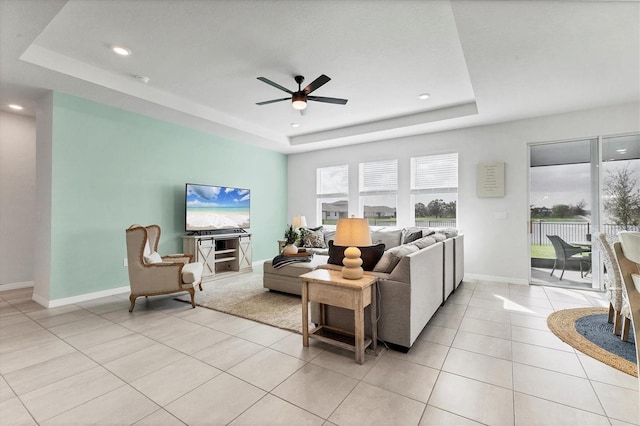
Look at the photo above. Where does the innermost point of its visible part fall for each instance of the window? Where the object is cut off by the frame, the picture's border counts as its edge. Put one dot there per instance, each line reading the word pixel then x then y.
pixel 332 193
pixel 434 189
pixel 378 192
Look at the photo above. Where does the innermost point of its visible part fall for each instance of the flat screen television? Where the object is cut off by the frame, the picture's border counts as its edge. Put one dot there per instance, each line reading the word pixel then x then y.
pixel 212 208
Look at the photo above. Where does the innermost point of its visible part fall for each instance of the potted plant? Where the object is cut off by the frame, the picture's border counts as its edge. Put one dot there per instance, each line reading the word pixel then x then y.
pixel 290 236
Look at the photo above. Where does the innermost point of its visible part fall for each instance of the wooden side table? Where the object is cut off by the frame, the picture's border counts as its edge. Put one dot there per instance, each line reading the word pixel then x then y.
pixel 327 287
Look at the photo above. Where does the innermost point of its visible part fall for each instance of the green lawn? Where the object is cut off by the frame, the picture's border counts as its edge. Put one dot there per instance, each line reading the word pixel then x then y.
pixel 543 252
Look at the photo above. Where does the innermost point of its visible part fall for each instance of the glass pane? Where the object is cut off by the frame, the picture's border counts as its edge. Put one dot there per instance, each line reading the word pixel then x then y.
pixel 561 203
pixel 379 210
pixel 332 209
pixel 621 184
pixel 435 210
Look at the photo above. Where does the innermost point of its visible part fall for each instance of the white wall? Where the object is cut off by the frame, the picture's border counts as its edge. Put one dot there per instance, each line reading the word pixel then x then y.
pixel 17 199
pixel 494 249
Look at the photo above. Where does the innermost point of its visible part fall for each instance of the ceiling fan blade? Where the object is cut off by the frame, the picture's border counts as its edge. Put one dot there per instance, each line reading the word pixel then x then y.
pixel 276 85
pixel 328 100
pixel 272 101
pixel 315 84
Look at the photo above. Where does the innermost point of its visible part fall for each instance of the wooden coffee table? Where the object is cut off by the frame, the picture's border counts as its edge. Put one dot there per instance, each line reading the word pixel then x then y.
pixel 327 287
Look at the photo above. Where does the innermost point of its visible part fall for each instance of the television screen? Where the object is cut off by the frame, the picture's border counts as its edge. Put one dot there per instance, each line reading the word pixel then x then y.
pixel 210 207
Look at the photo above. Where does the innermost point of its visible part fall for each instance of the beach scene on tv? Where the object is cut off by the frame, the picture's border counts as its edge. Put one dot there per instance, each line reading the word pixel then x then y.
pixel 216 207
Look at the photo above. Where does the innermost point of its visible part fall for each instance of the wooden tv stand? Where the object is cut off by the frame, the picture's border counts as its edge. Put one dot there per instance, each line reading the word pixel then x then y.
pixel 220 254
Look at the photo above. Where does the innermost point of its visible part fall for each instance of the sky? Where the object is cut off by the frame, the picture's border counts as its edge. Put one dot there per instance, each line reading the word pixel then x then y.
pixel 569 184
pixel 217 196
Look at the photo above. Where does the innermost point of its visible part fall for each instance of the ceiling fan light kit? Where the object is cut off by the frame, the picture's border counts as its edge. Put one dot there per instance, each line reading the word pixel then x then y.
pixel 298 100
pixel 300 97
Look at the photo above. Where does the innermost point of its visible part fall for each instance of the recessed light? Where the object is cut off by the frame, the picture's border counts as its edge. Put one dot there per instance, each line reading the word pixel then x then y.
pixel 424 96
pixel 15 107
pixel 621 150
pixel 143 79
pixel 295 124
pixel 122 51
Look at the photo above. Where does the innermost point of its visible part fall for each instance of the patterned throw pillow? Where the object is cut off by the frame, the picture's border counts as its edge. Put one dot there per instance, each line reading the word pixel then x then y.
pixel 314 239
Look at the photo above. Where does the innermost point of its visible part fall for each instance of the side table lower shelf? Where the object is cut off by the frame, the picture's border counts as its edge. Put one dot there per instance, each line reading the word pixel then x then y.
pixel 337 337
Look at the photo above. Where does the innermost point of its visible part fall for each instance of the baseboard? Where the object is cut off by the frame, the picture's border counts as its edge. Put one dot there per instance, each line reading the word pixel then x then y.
pixel 475 277
pixel 81 298
pixel 16 286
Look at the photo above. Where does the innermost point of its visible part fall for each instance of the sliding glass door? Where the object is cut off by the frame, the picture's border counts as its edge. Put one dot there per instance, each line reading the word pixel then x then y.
pixel 577 188
pixel 562 212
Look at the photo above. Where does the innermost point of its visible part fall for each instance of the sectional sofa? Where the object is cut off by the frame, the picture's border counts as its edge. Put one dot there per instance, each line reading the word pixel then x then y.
pixel 418 270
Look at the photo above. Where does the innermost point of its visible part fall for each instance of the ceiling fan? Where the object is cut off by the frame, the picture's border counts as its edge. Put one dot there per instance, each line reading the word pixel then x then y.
pixel 299 99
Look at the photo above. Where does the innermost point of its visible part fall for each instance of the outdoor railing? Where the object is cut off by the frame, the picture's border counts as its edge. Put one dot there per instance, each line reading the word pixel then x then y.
pixel 570 231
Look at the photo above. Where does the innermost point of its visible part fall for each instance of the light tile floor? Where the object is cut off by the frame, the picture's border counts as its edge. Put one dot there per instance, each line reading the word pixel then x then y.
pixel 486 357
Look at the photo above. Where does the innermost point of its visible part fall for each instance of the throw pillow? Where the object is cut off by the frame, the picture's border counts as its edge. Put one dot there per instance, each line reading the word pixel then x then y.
pixel 391 258
pixel 409 235
pixel 314 239
pixel 370 255
pixel 153 257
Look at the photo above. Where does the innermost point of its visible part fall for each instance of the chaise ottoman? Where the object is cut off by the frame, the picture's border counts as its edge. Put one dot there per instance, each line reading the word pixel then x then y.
pixel 286 278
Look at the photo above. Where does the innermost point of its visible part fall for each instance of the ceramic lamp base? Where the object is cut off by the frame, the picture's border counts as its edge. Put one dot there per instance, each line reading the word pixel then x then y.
pixel 352 269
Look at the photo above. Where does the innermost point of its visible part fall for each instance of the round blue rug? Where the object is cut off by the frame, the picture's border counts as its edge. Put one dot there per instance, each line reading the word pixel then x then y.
pixel 587 330
pixel 596 329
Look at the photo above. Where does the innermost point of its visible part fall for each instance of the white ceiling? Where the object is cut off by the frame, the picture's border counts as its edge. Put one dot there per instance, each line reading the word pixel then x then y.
pixel 481 61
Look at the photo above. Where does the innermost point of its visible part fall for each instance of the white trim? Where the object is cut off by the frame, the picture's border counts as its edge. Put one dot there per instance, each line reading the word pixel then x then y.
pixel 475 277
pixel 80 298
pixel 15 286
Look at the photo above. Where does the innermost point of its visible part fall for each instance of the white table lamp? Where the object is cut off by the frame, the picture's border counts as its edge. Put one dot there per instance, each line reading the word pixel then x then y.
pixel 352 232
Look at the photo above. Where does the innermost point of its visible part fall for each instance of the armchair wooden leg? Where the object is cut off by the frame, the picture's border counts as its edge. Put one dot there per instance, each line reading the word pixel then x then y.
pixel 611 312
pixel 132 299
pixel 192 292
pixel 200 285
pixel 616 323
pixel 625 328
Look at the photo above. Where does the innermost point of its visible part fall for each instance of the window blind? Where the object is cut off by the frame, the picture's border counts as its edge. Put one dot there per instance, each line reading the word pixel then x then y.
pixel 378 177
pixel 333 180
pixel 434 172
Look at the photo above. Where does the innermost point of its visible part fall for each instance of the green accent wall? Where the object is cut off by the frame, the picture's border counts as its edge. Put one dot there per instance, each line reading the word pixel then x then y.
pixel 112 168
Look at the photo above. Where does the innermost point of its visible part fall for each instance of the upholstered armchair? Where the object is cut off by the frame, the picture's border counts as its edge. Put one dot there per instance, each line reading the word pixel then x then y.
pixel 151 274
pixel 628 255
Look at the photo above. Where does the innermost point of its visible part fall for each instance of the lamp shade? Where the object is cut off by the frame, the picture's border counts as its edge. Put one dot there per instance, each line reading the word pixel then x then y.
pixel 299 222
pixel 352 232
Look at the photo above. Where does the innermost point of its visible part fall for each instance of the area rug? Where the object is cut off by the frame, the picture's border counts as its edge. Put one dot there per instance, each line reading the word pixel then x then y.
pixel 244 296
pixel 587 330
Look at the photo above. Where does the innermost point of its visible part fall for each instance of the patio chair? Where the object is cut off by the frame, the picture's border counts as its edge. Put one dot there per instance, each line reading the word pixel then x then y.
pixel 566 252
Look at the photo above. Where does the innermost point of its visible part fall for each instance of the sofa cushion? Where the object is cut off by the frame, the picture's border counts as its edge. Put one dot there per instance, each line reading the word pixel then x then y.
pixel 392 257
pixel 390 237
pixel 370 255
pixel 314 239
pixel 191 272
pixel 439 237
pixel 448 232
pixel 329 235
pixel 424 242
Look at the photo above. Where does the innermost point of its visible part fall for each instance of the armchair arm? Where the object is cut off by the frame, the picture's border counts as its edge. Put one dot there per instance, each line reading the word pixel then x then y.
pixel 178 257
